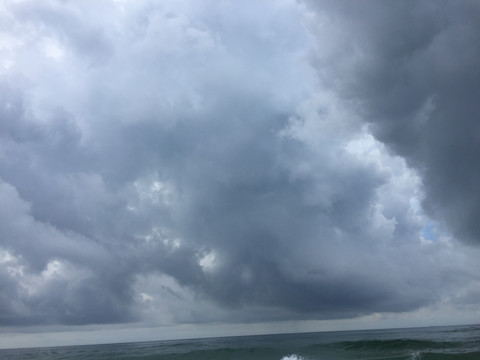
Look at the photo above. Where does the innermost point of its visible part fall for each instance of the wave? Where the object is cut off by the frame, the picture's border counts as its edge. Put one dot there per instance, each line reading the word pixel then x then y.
pixel 418 344
pixel 293 357
pixel 450 356
pixel 396 345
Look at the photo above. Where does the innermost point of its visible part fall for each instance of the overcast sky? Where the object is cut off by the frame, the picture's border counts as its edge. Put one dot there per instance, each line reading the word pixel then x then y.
pixel 187 168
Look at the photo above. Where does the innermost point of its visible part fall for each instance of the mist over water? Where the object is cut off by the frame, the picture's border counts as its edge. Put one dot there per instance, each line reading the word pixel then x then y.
pixel 434 343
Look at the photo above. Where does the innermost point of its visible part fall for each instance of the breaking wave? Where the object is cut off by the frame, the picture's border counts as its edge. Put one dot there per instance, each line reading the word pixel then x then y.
pixel 293 357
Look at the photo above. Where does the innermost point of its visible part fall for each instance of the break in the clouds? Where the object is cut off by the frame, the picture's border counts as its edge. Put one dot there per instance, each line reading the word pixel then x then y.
pixel 186 162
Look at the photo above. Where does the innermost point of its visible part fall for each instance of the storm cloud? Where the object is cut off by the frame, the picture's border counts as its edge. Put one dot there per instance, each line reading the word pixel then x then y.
pixel 184 162
pixel 412 69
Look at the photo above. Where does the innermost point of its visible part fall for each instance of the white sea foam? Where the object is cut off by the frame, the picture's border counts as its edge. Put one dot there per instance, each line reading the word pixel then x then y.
pixel 293 357
pixel 415 355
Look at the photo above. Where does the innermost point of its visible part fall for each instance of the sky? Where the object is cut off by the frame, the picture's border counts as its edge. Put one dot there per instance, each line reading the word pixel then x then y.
pixel 173 169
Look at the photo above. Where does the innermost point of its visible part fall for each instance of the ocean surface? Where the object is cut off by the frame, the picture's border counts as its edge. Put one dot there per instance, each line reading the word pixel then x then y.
pixel 432 343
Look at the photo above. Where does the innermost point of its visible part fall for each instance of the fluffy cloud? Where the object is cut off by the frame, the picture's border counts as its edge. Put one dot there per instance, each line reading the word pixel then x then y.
pixel 181 162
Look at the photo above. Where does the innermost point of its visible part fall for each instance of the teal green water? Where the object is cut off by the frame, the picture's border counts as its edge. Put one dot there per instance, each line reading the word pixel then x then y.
pixel 433 343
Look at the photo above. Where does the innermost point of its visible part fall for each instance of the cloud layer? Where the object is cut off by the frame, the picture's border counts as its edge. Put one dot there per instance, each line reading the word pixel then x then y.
pixel 185 162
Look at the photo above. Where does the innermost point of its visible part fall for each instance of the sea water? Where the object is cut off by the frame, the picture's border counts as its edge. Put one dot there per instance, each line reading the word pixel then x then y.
pixel 432 343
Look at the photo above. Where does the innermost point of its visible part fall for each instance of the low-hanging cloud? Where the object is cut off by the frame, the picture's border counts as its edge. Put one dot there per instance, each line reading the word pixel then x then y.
pixel 179 155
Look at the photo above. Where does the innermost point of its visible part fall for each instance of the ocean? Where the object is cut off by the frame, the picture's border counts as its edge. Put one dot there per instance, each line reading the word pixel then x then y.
pixel 432 343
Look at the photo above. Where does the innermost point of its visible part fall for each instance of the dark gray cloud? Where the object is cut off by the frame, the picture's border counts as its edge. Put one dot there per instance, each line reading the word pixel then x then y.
pixel 178 163
pixel 412 68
